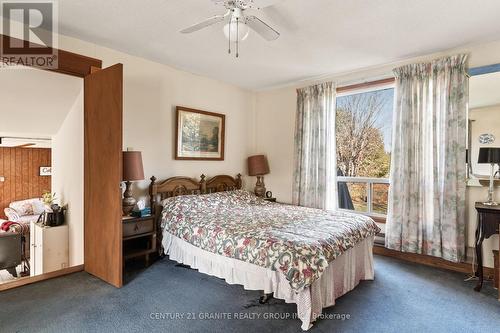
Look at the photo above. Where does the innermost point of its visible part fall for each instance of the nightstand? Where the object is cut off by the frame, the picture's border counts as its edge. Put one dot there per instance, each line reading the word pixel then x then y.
pixel 49 248
pixel 488 225
pixel 139 237
pixel 270 199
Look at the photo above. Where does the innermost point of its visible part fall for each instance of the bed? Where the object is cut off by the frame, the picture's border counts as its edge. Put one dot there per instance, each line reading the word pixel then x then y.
pixel 305 256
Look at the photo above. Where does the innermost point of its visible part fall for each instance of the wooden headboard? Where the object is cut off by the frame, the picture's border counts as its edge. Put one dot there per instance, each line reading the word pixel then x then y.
pixel 176 186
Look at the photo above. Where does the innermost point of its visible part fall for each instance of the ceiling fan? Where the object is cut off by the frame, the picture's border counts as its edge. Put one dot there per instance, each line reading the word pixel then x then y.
pixel 238 23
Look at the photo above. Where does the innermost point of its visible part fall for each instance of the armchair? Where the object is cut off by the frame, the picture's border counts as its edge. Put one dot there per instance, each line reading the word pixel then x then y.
pixel 10 251
pixel 25 211
pixel 14 243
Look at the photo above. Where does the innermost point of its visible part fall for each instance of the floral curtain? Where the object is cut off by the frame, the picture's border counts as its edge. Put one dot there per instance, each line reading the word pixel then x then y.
pixel 427 195
pixel 314 182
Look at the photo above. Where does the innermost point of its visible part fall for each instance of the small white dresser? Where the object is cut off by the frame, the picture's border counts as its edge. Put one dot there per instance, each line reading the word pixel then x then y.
pixel 49 248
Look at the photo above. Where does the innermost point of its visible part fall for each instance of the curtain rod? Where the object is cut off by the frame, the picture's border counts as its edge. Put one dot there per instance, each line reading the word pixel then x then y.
pixel 365 85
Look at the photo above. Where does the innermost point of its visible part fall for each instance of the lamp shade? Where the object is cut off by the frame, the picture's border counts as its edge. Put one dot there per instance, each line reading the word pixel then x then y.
pixel 489 155
pixel 257 165
pixel 231 30
pixel 132 166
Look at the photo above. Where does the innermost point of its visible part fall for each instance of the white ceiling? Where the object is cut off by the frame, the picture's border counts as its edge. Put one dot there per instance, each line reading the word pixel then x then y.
pixel 484 90
pixel 318 37
pixel 35 102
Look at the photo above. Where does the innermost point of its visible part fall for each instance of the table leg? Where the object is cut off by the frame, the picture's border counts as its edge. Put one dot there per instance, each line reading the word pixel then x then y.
pixel 479 254
pixel 476 241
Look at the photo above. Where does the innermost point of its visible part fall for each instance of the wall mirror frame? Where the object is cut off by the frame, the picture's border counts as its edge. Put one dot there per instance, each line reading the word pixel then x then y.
pixel 103 107
pixel 483 128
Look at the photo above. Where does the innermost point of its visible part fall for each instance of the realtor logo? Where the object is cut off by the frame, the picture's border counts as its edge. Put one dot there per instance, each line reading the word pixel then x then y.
pixel 29 34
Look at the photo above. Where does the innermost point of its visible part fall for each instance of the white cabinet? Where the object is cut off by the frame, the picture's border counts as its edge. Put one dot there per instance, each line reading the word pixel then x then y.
pixel 49 248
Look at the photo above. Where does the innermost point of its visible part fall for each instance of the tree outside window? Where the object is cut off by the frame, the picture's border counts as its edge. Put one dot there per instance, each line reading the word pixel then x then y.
pixel 363 134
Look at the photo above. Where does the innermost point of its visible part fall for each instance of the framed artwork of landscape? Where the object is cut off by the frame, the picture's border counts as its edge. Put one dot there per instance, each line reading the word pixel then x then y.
pixel 199 135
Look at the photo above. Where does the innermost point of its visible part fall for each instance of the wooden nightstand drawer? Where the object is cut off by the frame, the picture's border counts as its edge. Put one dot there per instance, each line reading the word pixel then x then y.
pixel 137 227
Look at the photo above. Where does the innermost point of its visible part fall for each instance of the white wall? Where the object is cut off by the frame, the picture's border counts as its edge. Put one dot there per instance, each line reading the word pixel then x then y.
pixel 275 127
pixel 67 177
pixel 151 92
pixel 275 119
pixel 260 122
pixel 39 116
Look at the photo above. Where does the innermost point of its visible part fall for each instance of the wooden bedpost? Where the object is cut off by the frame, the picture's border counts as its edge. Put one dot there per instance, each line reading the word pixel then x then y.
pixel 203 184
pixel 238 181
pixel 152 196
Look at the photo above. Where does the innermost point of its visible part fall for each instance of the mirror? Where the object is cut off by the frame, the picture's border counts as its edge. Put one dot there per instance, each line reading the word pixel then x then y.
pixel 484 121
pixel 41 153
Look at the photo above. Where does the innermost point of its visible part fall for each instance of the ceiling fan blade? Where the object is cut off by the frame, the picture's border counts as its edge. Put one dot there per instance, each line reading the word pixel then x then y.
pixel 262 28
pixel 254 4
pixel 208 22
pixel 259 4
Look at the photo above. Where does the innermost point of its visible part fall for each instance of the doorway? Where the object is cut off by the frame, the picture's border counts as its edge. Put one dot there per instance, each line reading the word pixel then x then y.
pixel 102 146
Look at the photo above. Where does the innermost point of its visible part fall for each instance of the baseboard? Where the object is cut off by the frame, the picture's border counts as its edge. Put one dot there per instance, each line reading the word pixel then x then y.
pixel 431 261
pixel 32 279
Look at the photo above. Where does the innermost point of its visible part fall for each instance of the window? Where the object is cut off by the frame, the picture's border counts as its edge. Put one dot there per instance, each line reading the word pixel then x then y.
pixel 363 134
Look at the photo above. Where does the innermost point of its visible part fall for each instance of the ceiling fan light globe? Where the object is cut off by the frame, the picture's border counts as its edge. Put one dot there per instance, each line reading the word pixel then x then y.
pixel 243 31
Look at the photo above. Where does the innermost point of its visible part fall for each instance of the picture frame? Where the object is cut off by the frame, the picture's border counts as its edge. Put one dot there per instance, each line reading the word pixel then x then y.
pixel 199 135
pixel 45 171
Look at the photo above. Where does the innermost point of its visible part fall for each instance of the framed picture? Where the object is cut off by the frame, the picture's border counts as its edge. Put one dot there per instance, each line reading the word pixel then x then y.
pixel 45 171
pixel 199 135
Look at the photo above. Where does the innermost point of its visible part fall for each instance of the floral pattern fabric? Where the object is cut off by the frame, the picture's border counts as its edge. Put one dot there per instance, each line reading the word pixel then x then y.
pixel 427 195
pixel 28 207
pixel 314 183
pixel 298 241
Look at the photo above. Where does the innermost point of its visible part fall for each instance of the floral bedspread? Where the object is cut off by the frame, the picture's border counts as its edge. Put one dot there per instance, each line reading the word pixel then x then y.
pixel 298 241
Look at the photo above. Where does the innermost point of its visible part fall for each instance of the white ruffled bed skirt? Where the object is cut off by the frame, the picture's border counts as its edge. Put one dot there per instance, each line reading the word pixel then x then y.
pixel 340 277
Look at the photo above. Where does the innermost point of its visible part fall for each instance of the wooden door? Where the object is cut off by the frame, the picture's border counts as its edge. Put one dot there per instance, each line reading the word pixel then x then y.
pixel 103 98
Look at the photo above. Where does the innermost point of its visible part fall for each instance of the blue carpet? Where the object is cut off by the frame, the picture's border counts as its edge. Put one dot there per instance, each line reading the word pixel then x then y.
pixel 404 297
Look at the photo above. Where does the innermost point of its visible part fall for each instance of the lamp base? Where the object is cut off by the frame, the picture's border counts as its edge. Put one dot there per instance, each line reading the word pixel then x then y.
pixel 491 188
pixel 260 187
pixel 128 202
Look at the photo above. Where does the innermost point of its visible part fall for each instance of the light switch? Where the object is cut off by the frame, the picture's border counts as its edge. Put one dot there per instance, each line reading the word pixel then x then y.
pixel 2 179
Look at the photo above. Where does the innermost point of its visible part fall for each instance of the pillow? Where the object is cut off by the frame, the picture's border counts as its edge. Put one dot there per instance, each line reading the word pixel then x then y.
pixel 28 207
pixel 11 214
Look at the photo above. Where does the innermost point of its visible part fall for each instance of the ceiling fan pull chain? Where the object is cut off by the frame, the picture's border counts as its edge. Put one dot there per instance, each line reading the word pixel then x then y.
pixel 237 37
pixel 229 50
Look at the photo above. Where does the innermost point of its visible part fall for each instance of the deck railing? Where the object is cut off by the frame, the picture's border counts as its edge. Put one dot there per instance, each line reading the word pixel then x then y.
pixel 369 183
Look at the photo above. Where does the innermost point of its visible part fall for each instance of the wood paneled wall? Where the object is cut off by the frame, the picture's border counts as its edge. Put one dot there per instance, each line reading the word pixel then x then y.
pixel 21 169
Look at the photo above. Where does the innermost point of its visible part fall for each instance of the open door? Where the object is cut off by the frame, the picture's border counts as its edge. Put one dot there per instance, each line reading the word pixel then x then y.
pixel 103 114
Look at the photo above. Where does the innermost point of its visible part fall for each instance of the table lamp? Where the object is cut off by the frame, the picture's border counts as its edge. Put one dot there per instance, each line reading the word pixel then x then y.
pixel 132 171
pixel 258 166
pixel 490 156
